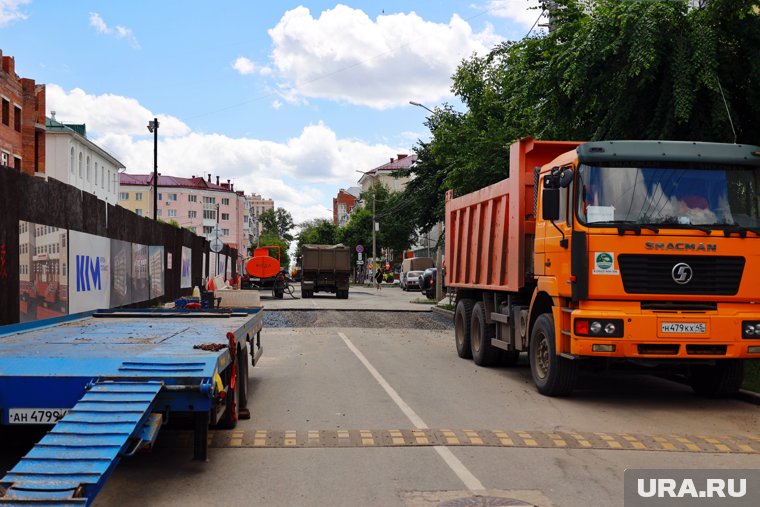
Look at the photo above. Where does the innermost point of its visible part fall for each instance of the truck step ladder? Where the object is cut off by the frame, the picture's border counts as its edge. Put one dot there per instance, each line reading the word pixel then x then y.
pixel 72 462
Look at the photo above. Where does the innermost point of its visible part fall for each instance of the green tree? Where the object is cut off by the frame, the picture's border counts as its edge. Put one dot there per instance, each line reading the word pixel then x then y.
pixel 277 221
pixel 391 213
pixel 319 231
pixel 358 231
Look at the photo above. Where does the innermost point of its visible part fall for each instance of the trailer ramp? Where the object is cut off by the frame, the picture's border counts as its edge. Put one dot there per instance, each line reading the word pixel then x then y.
pixel 72 462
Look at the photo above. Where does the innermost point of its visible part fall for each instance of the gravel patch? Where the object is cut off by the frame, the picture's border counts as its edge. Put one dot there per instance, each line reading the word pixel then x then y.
pixel 333 318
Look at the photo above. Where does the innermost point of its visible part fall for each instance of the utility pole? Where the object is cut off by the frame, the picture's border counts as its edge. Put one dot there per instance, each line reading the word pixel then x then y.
pixel 439 268
pixel 374 226
pixel 153 128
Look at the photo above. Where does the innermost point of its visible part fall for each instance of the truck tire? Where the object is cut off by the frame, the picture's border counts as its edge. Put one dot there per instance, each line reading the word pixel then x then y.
pixel 242 362
pixel 553 375
pixel 721 380
pixel 462 316
pixel 483 353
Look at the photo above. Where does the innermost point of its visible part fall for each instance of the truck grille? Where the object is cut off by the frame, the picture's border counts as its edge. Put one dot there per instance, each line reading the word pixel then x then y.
pixel 653 274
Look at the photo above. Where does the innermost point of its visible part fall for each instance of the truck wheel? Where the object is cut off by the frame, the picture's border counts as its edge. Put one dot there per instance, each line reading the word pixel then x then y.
pixel 242 362
pixel 483 353
pixel 278 293
pixel 721 380
pixel 552 374
pixel 462 316
pixel 232 404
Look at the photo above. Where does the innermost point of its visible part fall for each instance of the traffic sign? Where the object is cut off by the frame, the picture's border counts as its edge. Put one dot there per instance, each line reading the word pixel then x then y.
pixel 359 248
pixel 216 245
pixel 359 262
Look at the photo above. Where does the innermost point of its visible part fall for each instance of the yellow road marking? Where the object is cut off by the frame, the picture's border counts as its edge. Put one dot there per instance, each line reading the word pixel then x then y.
pixel 503 438
pixel 610 441
pixel 474 437
pixel 260 438
pixel 557 440
pixel 396 437
pixel 633 441
pixel 665 444
pixel 688 444
pixel 343 434
pixel 236 440
pixel 527 438
pixel 419 436
pixel 450 437
pixel 290 438
pixel 581 440
pixel 367 438
pixel 717 444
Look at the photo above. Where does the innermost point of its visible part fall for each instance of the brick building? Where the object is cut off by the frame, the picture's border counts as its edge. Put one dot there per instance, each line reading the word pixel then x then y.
pixel 22 125
pixel 343 204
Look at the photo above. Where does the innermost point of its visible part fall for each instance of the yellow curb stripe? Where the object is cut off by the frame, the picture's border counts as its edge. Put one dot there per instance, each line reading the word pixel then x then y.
pixel 474 437
pixel 367 438
pixel 504 438
pixel 527 438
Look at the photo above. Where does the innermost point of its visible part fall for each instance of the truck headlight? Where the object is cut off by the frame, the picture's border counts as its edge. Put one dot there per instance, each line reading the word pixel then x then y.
pixel 751 329
pixel 607 328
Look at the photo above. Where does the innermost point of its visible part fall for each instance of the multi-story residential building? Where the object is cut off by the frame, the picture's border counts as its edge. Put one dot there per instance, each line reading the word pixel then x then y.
pixel 257 205
pixel 344 203
pixel 389 174
pixel 194 203
pixel 74 159
pixel 22 124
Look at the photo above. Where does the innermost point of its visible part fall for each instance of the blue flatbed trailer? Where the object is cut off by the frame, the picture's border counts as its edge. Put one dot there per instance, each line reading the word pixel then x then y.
pixel 108 381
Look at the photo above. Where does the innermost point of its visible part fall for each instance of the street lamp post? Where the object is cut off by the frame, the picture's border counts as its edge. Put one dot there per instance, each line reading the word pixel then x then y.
pixel 153 128
pixel 438 254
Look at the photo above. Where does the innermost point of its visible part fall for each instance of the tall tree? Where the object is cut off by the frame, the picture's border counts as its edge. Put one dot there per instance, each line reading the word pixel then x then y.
pixel 270 239
pixel 277 221
pixel 319 231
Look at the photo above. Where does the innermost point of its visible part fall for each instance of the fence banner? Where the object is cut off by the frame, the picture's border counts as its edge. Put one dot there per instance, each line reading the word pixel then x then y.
pixel 156 270
pixel 90 273
pixel 121 273
pixel 185 279
pixel 140 280
pixel 43 271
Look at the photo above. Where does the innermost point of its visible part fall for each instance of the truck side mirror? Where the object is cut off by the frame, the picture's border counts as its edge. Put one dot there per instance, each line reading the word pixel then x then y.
pixel 565 178
pixel 550 204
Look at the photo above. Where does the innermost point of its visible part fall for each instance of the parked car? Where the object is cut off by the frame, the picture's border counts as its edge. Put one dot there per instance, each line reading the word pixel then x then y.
pixel 428 281
pixel 410 280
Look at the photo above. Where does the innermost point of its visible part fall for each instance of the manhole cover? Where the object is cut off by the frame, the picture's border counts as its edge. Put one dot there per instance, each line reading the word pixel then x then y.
pixel 484 501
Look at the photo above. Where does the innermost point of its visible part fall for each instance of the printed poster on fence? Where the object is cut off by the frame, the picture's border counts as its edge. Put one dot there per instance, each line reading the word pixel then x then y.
pixel 43 271
pixel 185 279
pixel 90 273
pixel 121 273
pixel 156 271
pixel 140 280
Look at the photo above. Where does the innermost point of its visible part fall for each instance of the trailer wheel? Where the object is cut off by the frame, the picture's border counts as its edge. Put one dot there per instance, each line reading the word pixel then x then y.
pixel 483 353
pixel 243 378
pixel 552 374
pixel 462 316
pixel 721 380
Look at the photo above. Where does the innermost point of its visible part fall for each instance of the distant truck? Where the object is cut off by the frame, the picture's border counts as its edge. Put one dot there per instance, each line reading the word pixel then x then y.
pixel 325 268
pixel 618 251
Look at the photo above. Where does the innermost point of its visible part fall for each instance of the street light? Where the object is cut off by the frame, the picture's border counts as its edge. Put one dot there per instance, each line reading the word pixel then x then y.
pixel 153 128
pixel 438 260
pixel 421 105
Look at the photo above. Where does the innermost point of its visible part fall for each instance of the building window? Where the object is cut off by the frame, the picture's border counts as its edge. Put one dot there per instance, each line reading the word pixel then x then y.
pixel 89 172
pixel 172 197
pixel 207 229
pixel 209 214
pixel 225 216
pixel 71 161
pixel 138 196
pixel 192 198
pixel 225 202
pixel 17 118
pixel 160 196
pixel 172 212
pixel 225 232
pixel 109 181
pixel 159 213
pixel 209 200
pixel 192 214
pixel 81 168
pixel 138 212
pixel 102 177
pixel 123 196
pixel 4 159
pixel 6 112
pixel 17 163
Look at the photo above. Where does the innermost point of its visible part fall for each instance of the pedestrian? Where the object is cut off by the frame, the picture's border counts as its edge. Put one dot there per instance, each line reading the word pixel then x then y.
pixel 379 277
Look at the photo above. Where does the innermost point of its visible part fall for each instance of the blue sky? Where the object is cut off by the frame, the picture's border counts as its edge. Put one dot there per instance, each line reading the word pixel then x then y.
pixel 286 98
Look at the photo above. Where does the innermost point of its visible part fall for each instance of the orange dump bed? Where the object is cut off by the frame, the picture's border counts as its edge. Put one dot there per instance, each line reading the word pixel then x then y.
pixel 488 231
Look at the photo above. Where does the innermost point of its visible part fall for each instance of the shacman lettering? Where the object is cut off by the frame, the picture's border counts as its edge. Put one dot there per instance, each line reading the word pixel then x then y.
pixel 682 247
pixel 87 270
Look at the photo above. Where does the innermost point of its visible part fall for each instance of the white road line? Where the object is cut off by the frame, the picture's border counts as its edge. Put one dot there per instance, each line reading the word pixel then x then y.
pixel 470 481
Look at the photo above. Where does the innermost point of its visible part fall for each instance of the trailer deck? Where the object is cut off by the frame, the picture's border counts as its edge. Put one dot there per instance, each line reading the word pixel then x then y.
pixel 108 381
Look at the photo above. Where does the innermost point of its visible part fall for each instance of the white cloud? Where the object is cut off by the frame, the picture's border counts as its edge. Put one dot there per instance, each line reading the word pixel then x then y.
pixel 244 66
pixel 523 12
pixel 302 174
pixel 10 11
pixel 119 31
pixel 276 104
pixel 344 55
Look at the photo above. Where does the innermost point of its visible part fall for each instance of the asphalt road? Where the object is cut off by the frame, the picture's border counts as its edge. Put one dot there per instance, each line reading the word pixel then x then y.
pixel 357 416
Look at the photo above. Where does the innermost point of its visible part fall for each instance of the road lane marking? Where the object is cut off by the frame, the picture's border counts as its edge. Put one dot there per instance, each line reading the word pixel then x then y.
pixel 427 437
pixel 468 479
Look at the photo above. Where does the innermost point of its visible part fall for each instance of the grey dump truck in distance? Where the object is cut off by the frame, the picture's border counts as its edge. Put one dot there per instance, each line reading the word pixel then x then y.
pixel 325 268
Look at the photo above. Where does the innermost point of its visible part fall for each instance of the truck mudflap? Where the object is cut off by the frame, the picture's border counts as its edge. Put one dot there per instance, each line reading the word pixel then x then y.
pixel 72 462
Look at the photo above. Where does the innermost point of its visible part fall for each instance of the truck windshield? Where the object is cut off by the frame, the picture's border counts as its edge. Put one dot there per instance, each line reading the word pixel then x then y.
pixel 660 196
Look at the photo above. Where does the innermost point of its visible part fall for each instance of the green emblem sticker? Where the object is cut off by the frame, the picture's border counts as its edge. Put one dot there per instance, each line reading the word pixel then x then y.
pixel 604 263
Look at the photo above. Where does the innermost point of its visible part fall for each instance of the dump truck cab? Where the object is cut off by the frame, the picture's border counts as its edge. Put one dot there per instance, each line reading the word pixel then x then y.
pixel 650 251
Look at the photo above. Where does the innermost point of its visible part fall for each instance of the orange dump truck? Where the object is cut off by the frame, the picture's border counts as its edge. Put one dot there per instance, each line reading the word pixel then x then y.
pixel 616 251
